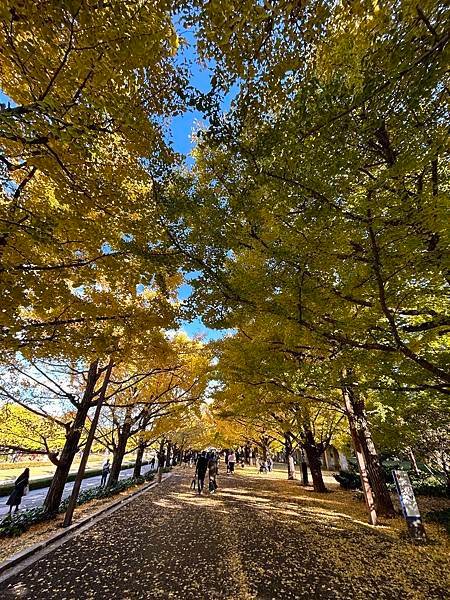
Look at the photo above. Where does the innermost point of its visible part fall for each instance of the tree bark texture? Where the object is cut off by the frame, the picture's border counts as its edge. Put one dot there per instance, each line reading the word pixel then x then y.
pixel 313 453
pixel 138 463
pixel 73 435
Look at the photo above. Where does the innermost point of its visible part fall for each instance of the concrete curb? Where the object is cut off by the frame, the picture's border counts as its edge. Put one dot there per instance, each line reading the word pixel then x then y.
pixel 23 559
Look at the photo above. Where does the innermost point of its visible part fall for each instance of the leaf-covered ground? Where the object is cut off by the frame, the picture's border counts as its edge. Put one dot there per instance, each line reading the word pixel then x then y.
pixel 257 538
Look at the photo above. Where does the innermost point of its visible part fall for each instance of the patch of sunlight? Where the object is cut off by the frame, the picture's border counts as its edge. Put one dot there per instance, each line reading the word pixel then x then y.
pixel 251 499
pixel 322 500
pixel 195 499
pixel 165 503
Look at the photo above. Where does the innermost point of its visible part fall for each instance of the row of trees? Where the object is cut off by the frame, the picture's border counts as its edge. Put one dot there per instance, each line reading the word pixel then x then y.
pixel 313 220
pixel 48 407
pixel 87 280
pixel 325 191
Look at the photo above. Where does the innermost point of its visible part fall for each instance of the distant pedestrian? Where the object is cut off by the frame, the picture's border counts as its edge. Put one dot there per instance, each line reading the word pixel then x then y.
pixel 231 462
pixel 106 469
pixel 21 487
pixel 152 463
pixel 213 470
pixel 200 470
pixel 269 464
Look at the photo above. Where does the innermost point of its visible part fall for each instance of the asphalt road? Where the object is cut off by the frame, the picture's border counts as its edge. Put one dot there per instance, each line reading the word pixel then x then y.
pixel 36 498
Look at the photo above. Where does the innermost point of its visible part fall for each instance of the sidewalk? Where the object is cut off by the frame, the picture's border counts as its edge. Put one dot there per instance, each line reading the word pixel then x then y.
pixel 36 497
pixel 255 539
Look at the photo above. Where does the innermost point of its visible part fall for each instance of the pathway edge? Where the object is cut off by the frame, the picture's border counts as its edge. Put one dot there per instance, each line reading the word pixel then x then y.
pixel 19 561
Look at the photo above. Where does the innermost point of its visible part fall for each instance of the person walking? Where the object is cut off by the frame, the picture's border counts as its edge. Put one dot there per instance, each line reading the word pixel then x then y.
pixel 21 486
pixel 225 457
pixel 231 462
pixel 152 463
pixel 213 470
pixel 269 464
pixel 200 471
pixel 106 468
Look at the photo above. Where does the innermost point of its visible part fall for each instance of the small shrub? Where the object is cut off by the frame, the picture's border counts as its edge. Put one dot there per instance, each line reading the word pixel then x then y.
pixel 17 524
pixel 429 486
pixel 348 480
pixel 439 516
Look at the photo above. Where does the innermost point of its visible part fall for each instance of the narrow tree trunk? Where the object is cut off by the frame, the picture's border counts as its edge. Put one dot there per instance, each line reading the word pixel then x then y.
pixel 348 395
pixel 168 455
pixel 160 459
pixel 120 449
pixel 289 458
pixel 313 453
pixel 73 435
pixel 413 461
pixel 138 463
pixel 87 449
pixel 367 489
pixel 118 455
pixel 304 472
pixel 383 501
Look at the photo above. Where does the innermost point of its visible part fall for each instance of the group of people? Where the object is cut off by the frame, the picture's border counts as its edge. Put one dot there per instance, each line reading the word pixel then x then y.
pixel 238 457
pixel 265 466
pixel 206 462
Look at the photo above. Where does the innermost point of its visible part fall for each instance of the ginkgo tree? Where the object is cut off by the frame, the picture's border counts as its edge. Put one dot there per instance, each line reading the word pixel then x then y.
pixel 324 192
pixel 81 143
pixel 263 387
pixel 161 387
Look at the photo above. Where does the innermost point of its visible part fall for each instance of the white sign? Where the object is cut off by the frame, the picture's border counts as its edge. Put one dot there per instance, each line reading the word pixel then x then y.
pixel 406 494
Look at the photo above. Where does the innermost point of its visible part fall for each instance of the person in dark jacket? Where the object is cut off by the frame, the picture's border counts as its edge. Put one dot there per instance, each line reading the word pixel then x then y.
pixel 200 470
pixel 213 469
pixel 106 469
pixel 19 490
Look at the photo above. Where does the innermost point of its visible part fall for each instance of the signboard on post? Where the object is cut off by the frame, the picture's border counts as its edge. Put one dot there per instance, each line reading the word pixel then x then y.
pixel 409 505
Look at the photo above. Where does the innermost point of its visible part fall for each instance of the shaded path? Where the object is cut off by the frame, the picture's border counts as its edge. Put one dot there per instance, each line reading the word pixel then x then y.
pixel 256 538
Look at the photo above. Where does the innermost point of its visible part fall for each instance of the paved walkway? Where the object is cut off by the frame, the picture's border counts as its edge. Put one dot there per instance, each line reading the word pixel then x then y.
pixel 255 539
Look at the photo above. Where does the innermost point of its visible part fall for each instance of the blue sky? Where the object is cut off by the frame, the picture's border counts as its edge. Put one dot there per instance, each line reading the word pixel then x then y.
pixel 182 128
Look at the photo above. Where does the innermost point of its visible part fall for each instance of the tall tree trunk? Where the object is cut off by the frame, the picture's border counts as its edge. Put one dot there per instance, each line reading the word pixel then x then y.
pixel 161 459
pixel 313 452
pixel 87 448
pixel 169 453
pixel 119 450
pixel 73 435
pixel 367 488
pixel 289 455
pixel 138 463
pixel 382 497
pixel 413 461
pixel 359 427
pixel 304 469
